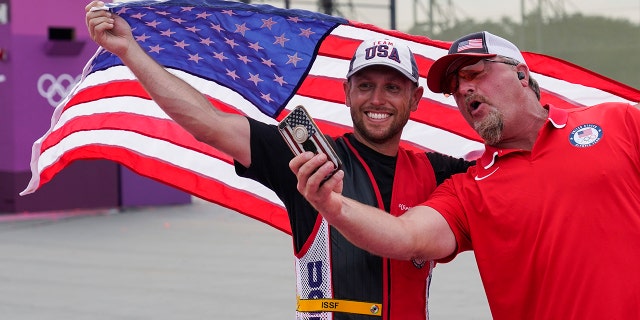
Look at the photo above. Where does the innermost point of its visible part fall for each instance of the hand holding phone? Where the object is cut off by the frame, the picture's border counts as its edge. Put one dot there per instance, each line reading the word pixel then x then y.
pixel 302 134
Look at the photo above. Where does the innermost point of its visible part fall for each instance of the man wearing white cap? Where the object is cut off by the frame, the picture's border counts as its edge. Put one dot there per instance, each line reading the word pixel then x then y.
pixel 551 210
pixel 335 279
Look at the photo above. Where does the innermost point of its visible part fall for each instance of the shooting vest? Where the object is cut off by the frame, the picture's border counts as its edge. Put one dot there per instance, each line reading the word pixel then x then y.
pixel 336 280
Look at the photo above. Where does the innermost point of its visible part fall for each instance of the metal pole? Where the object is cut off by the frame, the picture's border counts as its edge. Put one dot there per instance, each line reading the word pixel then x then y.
pixel 431 16
pixel 523 15
pixel 539 27
pixel 415 10
pixel 327 6
pixel 392 13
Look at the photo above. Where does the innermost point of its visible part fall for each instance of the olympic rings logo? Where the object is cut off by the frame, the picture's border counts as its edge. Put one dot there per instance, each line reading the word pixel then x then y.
pixel 56 89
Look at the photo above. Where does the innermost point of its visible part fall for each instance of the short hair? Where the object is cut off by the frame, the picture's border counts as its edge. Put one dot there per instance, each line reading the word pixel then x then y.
pixel 533 84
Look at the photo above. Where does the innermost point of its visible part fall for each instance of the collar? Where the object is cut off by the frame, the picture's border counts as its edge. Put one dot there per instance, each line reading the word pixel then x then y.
pixel 557 118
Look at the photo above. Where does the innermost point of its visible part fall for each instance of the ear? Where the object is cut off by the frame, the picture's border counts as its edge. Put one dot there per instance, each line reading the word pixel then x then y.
pixel 346 86
pixel 523 74
pixel 416 97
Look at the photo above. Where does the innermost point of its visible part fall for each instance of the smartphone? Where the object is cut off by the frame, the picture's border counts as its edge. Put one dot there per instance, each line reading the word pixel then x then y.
pixel 302 134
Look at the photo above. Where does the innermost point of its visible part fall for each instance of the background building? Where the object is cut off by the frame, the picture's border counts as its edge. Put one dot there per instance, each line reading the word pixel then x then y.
pixel 44 46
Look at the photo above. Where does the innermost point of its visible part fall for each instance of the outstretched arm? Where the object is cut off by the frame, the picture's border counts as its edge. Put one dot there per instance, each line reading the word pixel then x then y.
pixel 187 106
pixel 420 233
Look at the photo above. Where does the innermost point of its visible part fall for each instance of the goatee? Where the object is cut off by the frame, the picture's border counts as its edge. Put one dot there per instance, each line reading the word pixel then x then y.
pixel 490 127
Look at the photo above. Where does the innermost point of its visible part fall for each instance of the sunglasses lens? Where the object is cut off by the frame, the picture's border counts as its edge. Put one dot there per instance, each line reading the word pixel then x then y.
pixel 460 69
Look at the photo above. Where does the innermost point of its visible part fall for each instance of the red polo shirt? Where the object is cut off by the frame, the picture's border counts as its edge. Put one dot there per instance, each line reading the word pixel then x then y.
pixel 556 230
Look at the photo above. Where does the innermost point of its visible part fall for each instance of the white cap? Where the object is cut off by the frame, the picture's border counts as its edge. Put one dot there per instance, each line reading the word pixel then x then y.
pixel 479 45
pixel 385 52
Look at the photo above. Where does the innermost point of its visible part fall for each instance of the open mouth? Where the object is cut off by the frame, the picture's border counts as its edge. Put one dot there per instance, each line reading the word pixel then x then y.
pixel 475 105
pixel 377 115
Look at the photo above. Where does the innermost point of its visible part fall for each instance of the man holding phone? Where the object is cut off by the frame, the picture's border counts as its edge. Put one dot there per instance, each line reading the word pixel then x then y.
pixel 336 280
pixel 554 237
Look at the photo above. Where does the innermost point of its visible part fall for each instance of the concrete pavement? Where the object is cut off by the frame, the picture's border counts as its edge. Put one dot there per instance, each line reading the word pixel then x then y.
pixel 197 261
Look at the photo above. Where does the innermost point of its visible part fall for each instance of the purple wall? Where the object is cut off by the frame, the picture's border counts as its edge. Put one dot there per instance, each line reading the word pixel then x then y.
pixel 31 64
pixel 6 112
pixel 33 79
pixel 32 17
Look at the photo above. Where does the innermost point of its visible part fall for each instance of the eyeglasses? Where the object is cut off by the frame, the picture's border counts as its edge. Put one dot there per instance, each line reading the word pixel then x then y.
pixel 467 73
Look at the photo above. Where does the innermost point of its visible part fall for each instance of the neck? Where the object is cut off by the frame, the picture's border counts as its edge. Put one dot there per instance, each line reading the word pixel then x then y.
pixel 389 147
pixel 527 130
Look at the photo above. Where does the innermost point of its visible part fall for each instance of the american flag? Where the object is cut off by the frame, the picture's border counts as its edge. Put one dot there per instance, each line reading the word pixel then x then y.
pixel 470 44
pixel 585 132
pixel 259 61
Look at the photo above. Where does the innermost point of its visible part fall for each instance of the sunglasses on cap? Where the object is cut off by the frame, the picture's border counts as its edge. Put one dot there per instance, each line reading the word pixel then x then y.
pixel 457 71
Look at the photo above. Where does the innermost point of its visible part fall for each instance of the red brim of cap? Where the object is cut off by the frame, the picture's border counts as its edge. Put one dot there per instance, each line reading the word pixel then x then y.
pixel 437 72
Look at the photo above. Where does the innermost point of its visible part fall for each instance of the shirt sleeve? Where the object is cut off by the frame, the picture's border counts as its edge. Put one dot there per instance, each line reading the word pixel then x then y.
pixel 447 201
pixel 633 123
pixel 270 158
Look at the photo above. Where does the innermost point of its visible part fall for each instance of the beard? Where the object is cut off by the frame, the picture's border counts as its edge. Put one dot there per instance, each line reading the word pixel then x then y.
pixel 490 127
pixel 378 135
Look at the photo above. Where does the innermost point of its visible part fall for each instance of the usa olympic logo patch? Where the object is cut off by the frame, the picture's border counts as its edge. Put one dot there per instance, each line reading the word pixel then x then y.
pixel 585 135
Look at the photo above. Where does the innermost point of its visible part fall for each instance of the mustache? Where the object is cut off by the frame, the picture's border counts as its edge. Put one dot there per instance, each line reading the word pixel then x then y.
pixel 475 97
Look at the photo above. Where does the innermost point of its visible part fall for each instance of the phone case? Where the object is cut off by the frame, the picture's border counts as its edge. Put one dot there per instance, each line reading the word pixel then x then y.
pixel 302 134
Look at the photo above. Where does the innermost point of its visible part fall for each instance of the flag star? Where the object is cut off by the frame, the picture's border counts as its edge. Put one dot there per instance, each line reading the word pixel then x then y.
pixel 255 46
pixel 231 42
pixel 220 56
pixel 186 9
pixel 138 15
pixel 306 32
pixel 280 40
pixel 203 15
pixel 237 37
pixel 183 45
pixel 242 28
pixel 255 78
pixel 167 33
pixel 244 59
pixel 142 38
pixel 193 29
pixel 279 80
pixel 294 59
pixel 123 10
pixel 155 48
pixel 178 20
pixel 216 27
pixel 268 23
pixel 267 62
pixel 266 97
pixel 232 74
pixel 153 24
pixel 206 41
pixel 194 57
